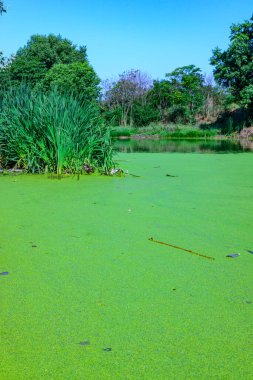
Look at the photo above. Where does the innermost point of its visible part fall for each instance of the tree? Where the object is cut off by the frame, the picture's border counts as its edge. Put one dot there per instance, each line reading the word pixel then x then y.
pixel 26 70
pixel 121 95
pixel 214 98
pixel 40 54
pixel 233 68
pixel 187 83
pixel 2 59
pixel 52 49
pixel 179 97
pixel 78 78
pixel 160 97
pixel 2 8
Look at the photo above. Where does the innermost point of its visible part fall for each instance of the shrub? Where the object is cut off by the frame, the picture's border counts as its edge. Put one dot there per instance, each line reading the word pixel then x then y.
pixel 52 132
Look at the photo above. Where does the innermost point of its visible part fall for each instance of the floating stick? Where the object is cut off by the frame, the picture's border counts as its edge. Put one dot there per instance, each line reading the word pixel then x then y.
pixel 182 249
pixel 134 175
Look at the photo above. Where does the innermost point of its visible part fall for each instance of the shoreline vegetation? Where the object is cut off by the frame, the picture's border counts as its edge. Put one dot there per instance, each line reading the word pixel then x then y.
pixel 172 131
pixel 52 133
pixel 84 293
pixel 58 117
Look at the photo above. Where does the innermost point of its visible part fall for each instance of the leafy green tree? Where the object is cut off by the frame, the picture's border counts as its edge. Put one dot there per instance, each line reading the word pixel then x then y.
pixel 187 85
pixel 26 70
pixel 144 114
pixel 4 73
pixel 179 97
pixel 52 49
pixel 233 68
pixel 160 97
pixel 79 78
pixel 2 60
pixel 40 54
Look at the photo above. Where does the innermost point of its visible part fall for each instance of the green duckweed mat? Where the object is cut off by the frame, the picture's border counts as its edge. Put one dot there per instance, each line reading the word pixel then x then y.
pixel 82 270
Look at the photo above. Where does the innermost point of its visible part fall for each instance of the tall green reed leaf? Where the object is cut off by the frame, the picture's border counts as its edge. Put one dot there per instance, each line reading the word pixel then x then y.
pixel 52 132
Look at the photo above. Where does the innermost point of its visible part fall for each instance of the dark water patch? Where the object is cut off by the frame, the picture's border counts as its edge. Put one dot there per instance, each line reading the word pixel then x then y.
pixel 107 349
pixel 134 175
pixel 85 343
pixel 183 146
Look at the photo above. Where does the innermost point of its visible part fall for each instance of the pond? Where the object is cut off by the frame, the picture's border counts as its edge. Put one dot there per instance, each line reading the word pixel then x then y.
pixel 86 293
pixel 182 146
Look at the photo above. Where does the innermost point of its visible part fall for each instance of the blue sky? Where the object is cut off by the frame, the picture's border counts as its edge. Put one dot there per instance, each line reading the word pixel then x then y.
pixel 153 36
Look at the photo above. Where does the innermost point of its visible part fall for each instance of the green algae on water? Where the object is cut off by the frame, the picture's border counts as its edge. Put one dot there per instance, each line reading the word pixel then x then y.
pixel 86 289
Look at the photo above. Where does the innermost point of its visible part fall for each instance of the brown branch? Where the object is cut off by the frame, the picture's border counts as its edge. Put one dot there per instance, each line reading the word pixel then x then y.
pixel 182 249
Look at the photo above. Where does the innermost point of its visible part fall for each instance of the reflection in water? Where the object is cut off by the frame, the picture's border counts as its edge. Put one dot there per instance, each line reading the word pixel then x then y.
pixel 183 146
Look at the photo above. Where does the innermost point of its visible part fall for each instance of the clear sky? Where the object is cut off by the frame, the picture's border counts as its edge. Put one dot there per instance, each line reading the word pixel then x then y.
pixel 153 36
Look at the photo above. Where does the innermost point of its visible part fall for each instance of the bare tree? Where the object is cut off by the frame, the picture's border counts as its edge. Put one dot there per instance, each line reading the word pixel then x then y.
pixel 208 83
pixel 131 85
pixel 214 97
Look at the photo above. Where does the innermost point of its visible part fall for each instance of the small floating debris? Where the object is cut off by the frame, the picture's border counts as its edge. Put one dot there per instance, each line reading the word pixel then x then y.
pixel 88 168
pixel 250 251
pixel 34 246
pixel 182 249
pixel 170 175
pixel 16 170
pixel 116 172
pixel 233 255
pixel 107 349
pixel 248 302
pixel 85 343
pixel 4 273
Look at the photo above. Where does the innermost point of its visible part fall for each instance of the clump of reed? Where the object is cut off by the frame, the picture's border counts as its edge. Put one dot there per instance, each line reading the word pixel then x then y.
pixel 52 132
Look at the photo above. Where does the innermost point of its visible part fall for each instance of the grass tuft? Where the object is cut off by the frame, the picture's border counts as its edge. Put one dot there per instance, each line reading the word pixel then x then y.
pixel 52 133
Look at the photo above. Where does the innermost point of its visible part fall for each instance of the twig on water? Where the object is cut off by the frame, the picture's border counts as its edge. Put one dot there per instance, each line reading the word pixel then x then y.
pixel 182 249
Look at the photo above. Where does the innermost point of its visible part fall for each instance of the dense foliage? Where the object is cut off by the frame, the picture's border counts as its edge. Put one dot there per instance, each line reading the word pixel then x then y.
pixel 53 109
pixel 185 95
pixel 52 132
pixel 51 60
pixel 123 97
pixel 49 115
pixel 233 68
pixel 182 97
pixel 79 78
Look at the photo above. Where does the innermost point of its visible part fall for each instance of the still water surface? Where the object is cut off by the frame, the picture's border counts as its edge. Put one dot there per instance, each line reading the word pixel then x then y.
pixel 183 146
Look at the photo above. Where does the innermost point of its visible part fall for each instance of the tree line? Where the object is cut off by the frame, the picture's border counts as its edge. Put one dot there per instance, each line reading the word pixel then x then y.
pixel 183 96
